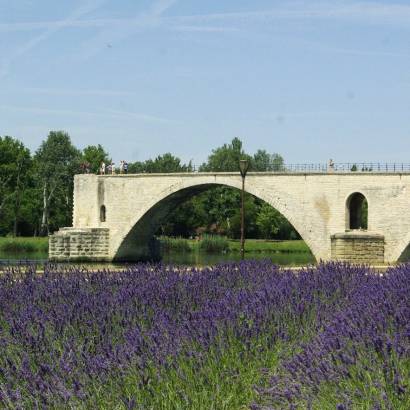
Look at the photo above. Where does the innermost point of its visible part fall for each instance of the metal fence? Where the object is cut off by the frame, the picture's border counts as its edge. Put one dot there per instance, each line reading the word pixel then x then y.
pixel 326 168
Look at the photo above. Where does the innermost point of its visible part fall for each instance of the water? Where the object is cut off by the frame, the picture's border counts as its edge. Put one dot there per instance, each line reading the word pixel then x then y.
pixel 206 259
pixel 196 258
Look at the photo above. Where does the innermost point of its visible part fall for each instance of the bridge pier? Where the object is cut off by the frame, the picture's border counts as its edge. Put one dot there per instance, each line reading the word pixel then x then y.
pixel 79 245
pixel 358 247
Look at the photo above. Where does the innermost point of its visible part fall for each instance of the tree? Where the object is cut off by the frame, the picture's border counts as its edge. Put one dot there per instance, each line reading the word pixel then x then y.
pixel 226 158
pixel 268 221
pixel 94 155
pixel 162 163
pixel 57 160
pixel 15 165
pixel 263 161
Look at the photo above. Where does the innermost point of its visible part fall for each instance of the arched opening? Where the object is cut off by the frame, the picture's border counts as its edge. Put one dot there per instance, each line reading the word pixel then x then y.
pixel 357 212
pixel 170 214
pixel 102 213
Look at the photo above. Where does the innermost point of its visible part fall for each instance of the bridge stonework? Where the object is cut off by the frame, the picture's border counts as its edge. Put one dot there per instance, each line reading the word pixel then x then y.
pixel 315 204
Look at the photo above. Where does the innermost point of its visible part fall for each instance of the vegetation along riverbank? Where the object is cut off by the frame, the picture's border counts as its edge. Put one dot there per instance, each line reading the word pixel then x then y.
pixel 208 244
pixel 26 245
pixel 216 244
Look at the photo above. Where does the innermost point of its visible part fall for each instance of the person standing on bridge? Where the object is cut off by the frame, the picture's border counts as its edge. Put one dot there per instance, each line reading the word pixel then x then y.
pixel 125 166
pixel 331 166
pixel 102 168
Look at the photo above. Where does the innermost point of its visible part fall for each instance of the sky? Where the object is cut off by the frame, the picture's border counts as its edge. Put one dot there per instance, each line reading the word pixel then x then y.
pixel 310 80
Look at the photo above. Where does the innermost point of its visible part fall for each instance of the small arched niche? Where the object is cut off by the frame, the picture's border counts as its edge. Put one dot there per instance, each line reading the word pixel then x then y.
pixel 356 212
pixel 102 213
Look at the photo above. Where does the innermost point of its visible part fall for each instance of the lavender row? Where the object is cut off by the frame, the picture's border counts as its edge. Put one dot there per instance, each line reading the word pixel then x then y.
pixel 64 331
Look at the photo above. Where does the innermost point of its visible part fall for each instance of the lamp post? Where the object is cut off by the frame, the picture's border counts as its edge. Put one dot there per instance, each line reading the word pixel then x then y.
pixel 243 168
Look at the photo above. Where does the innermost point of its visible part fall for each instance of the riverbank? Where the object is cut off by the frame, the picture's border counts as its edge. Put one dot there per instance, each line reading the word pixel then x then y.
pixel 211 244
pixel 23 244
pixel 217 244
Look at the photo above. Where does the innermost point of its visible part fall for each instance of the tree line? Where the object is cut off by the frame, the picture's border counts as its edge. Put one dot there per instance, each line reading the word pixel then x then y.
pixel 36 189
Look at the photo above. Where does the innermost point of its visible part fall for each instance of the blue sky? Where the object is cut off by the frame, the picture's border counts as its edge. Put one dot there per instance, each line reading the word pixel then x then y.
pixel 308 79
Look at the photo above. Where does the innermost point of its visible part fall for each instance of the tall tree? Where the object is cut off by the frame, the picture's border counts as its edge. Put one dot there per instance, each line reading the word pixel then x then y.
pixel 94 155
pixel 15 164
pixel 162 163
pixel 263 161
pixel 226 158
pixel 57 160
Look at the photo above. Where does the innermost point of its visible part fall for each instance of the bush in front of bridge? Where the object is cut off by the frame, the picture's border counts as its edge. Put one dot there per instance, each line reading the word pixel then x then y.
pixel 227 337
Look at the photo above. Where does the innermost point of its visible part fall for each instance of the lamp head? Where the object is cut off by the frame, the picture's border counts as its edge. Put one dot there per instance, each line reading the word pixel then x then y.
pixel 243 167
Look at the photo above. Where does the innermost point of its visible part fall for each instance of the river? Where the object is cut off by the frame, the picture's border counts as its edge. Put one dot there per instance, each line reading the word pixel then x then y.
pixel 194 258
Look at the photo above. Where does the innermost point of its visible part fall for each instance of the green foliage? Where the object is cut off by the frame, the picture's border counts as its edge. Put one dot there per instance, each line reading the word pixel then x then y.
pixel 226 158
pixel 263 161
pixel 57 161
pixel 268 221
pixel 162 163
pixel 94 155
pixel 174 244
pixel 214 243
pixel 14 245
pixel 15 172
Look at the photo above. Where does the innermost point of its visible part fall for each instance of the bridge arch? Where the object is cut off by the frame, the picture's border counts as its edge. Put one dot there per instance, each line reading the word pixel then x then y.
pixel 142 227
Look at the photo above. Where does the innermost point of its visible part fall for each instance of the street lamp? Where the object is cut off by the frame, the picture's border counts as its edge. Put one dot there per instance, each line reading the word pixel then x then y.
pixel 243 168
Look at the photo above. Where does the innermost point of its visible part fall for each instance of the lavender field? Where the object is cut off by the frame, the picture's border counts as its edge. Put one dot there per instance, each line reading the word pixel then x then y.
pixel 234 336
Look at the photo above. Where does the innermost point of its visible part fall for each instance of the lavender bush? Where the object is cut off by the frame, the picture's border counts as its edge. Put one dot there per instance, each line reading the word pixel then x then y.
pixel 232 336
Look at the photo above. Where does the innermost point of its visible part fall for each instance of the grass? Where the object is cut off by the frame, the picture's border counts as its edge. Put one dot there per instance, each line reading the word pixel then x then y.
pixel 214 244
pixel 208 244
pixel 219 244
pixel 23 244
pixel 225 380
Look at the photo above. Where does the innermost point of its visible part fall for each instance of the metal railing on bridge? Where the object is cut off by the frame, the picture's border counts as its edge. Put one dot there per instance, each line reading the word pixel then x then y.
pixel 327 168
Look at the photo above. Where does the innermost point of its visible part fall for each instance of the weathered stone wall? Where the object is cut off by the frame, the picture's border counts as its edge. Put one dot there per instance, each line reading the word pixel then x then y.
pixel 314 203
pixel 358 247
pixel 71 244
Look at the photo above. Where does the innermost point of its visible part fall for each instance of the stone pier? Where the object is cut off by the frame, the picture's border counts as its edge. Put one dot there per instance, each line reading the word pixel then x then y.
pixel 79 245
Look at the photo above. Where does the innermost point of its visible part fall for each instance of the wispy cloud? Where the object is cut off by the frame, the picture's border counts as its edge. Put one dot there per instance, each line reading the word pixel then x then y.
pixel 365 12
pixel 98 114
pixel 118 32
pixel 352 51
pixel 78 92
pixel 84 9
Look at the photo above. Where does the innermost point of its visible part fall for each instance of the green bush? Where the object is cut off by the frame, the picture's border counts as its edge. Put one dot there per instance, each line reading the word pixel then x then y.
pixel 174 244
pixel 28 245
pixel 214 244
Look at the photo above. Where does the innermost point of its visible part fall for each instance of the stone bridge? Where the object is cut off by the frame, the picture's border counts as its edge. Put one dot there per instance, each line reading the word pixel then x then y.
pixel 116 215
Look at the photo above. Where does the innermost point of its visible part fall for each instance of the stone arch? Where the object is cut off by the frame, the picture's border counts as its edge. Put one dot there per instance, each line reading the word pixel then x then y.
pixel 357 211
pixel 144 224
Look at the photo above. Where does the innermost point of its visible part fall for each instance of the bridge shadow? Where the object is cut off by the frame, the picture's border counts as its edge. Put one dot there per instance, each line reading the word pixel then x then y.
pixel 405 256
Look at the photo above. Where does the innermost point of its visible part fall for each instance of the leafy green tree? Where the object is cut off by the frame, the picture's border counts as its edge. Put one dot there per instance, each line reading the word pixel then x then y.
pixel 268 221
pixel 252 205
pixel 94 155
pixel 57 161
pixel 226 158
pixel 161 164
pixel 263 161
pixel 15 166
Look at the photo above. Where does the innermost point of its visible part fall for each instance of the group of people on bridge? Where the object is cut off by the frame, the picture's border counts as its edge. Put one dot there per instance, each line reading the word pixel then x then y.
pixel 110 169
pixel 106 169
